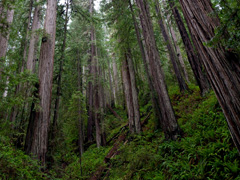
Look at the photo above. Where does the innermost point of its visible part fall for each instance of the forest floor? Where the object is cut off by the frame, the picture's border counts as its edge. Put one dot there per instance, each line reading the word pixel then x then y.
pixel 206 150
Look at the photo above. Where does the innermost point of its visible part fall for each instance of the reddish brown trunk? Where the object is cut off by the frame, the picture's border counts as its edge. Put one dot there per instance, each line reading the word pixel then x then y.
pixel 173 57
pixel 42 119
pixel 192 56
pixel 31 60
pixel 5 36
pixel 222 67
pixel 168 121
pixel 156 106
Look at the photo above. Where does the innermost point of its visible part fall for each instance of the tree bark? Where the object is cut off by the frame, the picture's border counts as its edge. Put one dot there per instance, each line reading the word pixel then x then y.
pixel 154 98
pixel 59 79
pixel 177 49
pixel 172 54
pixel 168 121
pixel 80 108
pixel 193 58
pixel 90 84
pixel 46 60
pixel 222 67
pixel 128 95
pixel 5 36
pixel 134 93
pixel 31 60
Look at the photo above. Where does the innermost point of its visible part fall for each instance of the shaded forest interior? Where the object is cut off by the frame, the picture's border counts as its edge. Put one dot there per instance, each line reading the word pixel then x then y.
pixel 119 89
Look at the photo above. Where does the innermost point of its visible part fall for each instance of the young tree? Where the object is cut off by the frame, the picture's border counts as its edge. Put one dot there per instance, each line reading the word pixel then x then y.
pixel 222 67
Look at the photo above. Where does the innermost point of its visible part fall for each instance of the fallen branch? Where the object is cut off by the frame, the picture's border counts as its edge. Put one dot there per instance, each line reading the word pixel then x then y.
pixel 114 112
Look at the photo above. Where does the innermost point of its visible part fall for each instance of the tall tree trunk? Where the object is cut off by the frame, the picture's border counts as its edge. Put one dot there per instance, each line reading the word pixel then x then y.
pixel 59 79
pixel 222 67
pixel 168 121
pixel 154 98
pixel 90 84
pixel 115 80
pixel 5 36
pixel 112 103
pixel 80 109
pixel 134 93
pixel 173 57
pixel 177 49
pixel 128 94
pixel 193 58
pixel 42 117
pixel 31 60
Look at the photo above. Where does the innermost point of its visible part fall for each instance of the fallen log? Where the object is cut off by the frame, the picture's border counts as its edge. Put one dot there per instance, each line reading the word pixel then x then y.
pixel 114 112
pixel 114 151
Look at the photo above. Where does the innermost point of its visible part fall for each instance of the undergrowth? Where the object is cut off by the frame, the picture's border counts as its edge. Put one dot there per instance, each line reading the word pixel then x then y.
pixel 205 151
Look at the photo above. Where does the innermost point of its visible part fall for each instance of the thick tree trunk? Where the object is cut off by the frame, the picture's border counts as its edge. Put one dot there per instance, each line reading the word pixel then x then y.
pixel 168 121
pixel 42 118
pixel 128 95
pixel 31 60
pixel 172 54
pixel 154 98
pixel 193 58
pixel 5 36
pixel 222 67
pixel 135 104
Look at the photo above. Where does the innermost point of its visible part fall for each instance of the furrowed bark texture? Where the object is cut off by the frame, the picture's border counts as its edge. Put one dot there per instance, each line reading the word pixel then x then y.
pixel 39 148
pixel 137 124
pixel 222 67
pixel 128 95
pixel 31 60
pixel 168 121
pixel 172 54
pixel 5 36
pixel 154 98
pixel 193 58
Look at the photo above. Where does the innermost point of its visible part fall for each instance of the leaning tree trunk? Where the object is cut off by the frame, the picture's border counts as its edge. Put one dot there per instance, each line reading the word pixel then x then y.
pixel 154 98
pixel 42 117
pixel 222 67
pixel 178 50
pixel 168 121
pixel 193 58
pixel 172 54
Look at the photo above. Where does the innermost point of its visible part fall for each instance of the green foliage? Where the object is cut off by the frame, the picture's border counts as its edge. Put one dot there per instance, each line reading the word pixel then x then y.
pixel 205 152
pixel 228 34
pixel 14 164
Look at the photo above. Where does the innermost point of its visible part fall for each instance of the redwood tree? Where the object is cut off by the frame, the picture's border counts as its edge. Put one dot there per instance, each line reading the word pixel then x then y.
pixel 168 120
pixel 222 67
pixel 42 116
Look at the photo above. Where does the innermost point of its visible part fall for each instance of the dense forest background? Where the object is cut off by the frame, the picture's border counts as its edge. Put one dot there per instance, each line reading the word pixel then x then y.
pixel 144 89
